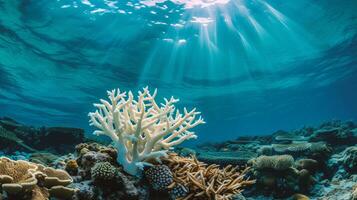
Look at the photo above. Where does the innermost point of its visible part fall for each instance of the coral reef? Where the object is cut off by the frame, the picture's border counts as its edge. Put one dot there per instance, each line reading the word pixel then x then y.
pixel 315 162
pixel 308 163
pixel 141 129
pixel 97 175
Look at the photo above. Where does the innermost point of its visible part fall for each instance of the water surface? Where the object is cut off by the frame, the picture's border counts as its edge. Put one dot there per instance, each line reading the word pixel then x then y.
pixel 250 66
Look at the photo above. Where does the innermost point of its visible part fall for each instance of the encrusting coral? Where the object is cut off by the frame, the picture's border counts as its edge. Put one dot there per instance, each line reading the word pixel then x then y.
pixel 141 129
pixel 206 182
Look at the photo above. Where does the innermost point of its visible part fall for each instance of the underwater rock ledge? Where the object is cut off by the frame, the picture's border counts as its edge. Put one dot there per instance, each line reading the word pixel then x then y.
pixel 19 137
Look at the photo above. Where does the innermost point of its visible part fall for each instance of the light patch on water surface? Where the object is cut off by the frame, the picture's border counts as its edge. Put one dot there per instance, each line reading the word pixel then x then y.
pixel 99 10
pixel 202 20
pixel 188 4
pixel 182 41
pixel 87 2
pixel 152 2
pixel 111 4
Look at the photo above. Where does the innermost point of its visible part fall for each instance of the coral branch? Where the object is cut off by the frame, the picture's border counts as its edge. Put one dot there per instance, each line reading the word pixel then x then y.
pixel 141 129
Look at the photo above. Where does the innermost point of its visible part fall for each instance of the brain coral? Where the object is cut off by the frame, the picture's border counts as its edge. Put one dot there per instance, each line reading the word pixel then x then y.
pixel 103 171
pixel 159 176
pixel 178 191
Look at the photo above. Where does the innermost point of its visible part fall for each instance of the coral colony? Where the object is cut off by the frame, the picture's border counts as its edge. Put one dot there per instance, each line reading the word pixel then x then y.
pixel 141 129
pixel 142 163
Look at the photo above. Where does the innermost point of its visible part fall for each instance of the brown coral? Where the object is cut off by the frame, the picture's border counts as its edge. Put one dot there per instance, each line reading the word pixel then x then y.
pixel 22 177
pixel 17 175
pixel 206 181
pixel 72 167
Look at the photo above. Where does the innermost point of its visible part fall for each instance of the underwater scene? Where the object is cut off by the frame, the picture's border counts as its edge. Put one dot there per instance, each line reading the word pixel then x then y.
pixel 178 100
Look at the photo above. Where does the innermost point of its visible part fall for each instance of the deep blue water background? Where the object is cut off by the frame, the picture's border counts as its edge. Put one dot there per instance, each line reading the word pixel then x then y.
pixel 250 66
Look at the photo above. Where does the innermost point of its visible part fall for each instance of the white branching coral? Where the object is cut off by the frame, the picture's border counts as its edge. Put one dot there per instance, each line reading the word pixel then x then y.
pixel 141 129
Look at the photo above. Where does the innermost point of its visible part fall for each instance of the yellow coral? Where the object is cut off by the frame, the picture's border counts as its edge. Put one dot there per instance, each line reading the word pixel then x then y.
pixel 299 197
pixel 72 166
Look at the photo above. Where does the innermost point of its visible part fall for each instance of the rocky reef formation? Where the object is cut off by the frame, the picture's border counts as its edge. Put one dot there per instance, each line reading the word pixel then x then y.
pixel 311 162
pixel 97 175
pixel 15 136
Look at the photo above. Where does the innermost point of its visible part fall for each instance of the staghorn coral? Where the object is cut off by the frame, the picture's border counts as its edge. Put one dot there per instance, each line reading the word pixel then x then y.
pixel 141 129
pixel 206 181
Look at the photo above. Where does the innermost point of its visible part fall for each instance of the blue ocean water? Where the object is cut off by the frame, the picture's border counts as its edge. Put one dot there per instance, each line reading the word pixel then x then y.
pixel 250 66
